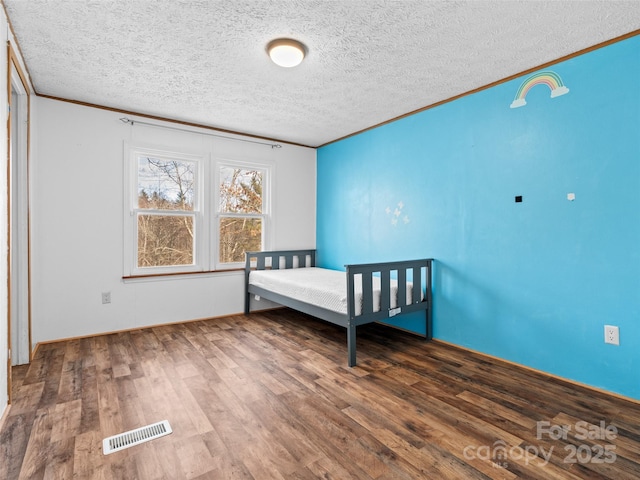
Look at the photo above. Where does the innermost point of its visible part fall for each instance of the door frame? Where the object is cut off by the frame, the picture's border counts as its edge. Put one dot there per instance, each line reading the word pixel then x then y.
pixel 16 80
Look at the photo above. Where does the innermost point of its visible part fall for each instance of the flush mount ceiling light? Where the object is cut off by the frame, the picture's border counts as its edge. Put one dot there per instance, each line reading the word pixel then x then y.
pixel 286 52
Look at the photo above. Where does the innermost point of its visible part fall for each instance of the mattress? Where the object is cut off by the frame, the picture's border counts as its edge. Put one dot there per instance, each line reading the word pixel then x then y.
pixel 321 287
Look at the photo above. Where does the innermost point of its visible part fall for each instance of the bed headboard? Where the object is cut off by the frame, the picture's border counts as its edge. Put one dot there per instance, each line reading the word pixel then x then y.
pixel 280 259
pixel 275 260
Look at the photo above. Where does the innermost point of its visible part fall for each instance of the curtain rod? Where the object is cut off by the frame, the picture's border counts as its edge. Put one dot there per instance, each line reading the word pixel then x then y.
pixel 133 122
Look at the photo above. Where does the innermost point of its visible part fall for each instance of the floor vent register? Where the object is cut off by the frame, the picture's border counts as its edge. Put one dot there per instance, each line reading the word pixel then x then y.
pixel 135 437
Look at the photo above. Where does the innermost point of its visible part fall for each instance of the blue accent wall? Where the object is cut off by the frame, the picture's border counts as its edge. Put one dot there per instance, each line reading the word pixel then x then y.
pixel 532 282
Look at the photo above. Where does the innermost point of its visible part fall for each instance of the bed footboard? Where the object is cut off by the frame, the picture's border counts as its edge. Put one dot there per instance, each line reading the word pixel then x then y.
pixel 413 276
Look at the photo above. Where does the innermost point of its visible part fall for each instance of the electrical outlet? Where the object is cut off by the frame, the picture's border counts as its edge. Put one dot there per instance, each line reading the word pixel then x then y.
pixel 611 335
pixel 106 297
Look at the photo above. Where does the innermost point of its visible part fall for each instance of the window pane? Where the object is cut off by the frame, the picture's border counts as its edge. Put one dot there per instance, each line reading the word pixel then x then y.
pixel 240 190
pixel 165 184
pixel 165 240
pixel 239 235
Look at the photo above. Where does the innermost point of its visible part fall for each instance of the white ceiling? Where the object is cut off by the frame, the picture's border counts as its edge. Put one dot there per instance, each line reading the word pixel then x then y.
pixel 368 61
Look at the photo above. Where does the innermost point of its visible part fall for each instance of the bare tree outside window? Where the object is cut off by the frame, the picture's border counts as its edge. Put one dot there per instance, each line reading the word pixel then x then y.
pixel 165 189
pixel 241 209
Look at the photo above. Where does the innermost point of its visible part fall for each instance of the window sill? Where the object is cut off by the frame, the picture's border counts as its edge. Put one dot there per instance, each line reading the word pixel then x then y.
pixel 155 277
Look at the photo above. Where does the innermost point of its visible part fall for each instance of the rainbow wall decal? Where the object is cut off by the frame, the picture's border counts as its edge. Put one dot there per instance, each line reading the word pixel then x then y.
pixel 548 78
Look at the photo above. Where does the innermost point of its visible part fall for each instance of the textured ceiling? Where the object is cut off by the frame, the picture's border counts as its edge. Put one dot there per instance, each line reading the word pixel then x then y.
pixel 368 61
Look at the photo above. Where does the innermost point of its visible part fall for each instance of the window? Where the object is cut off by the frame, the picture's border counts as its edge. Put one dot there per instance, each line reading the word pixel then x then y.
pixel 165 212
pixel 241 218
pixel 182 215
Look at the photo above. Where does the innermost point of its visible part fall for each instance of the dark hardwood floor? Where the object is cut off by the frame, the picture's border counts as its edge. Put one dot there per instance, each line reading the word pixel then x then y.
pixel 270 397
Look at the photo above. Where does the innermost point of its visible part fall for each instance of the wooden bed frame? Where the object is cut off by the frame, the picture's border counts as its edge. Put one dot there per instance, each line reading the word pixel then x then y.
pixel 350 320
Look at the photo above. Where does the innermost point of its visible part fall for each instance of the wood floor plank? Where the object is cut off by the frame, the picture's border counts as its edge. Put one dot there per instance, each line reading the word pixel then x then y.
pixel 199 420
pixel 328 467
pixel 132 413
pixel 14 440
pixel 228 467
pixel 88 461
pixel 40 371
pixel 66 420
pixel 298 446
pixel 35 457
pixel 269 396
pixel 500 410
pixel 108 404
pixel 194 456
pixel 71 381
pixel 123 465
pixel 59 465
pixel 27 398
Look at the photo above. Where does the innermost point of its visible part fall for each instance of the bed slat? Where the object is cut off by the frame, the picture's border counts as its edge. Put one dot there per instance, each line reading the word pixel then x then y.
pixel 367 293
pixel 416 293
pixel 385 290
pixel 402 287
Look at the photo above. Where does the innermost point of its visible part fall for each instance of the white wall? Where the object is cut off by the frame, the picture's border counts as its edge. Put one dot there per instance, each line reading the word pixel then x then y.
pixel 77 225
